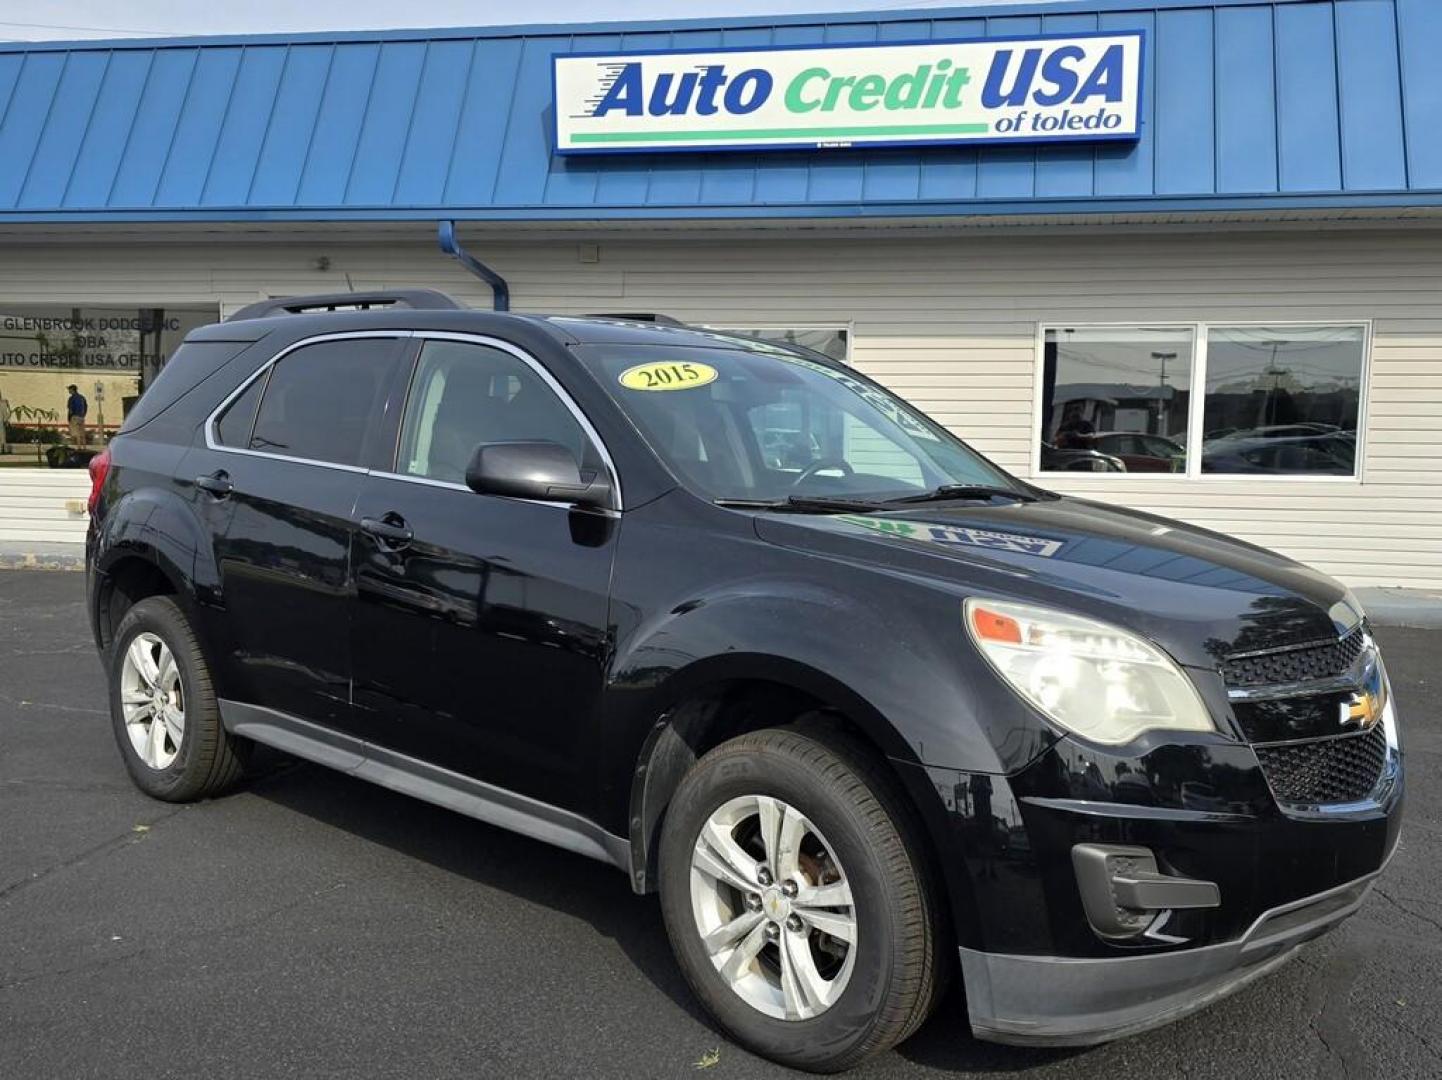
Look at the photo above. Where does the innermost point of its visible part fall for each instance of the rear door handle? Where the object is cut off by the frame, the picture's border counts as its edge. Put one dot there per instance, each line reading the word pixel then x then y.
pixel 390 531
pixel 217 484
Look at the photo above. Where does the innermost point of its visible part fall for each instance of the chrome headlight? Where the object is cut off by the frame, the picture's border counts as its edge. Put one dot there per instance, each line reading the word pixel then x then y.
pixel 1103 683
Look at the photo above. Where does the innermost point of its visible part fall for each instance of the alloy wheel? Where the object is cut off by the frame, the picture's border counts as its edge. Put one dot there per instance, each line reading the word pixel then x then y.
pixel 773 907
pixel 152 700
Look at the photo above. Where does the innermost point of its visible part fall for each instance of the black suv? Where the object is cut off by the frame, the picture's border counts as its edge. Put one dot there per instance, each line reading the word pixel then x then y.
pixel 862 707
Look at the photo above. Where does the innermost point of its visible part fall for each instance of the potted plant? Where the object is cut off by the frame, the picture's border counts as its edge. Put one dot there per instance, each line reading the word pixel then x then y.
pixel 39 417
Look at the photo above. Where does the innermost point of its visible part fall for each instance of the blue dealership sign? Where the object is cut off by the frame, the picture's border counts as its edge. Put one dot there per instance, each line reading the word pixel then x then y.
pixel 1017 90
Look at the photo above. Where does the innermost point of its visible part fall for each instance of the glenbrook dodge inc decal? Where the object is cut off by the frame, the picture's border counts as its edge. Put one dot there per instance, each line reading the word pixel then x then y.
pixel 996 90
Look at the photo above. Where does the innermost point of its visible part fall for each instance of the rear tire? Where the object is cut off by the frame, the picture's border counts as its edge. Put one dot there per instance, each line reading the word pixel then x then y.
pixel 851 824
pixel 163 708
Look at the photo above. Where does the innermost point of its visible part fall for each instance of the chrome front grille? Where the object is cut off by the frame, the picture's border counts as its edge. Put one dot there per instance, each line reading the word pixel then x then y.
pixel 1293 705
pixel 1295 664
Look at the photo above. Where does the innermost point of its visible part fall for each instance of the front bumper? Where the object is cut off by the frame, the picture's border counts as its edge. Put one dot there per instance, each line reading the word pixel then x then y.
pixel 1036 966
pixel 1070 1001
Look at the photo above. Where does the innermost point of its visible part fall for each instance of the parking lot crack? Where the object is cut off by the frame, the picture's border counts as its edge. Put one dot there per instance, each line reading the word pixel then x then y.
pixel 106 847
pixel 56 973
pixel 1330 1020
pixel 25 703
pixel 290 905
pixel 1431 1047
pixel 244 924
pixel 1326 1045
pixel 1400 906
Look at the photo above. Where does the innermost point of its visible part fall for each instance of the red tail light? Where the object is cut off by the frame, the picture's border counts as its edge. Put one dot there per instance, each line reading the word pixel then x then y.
pixel 99 467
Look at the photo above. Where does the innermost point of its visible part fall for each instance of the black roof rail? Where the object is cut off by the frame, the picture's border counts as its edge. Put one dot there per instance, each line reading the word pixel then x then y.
pixel 417 299
pixel 637 316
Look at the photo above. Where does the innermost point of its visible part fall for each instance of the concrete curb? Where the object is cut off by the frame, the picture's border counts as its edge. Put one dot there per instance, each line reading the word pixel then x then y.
pixel 42 556
pixel 1418 609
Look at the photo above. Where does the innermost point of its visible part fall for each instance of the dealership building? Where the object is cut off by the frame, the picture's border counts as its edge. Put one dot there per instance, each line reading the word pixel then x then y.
pixel 1180 256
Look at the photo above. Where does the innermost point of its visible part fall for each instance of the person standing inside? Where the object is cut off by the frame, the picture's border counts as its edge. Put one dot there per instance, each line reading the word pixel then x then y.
pixel 75 409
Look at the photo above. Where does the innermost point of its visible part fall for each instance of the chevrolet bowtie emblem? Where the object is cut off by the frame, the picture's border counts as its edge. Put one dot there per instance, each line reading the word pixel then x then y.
pixel 1361 710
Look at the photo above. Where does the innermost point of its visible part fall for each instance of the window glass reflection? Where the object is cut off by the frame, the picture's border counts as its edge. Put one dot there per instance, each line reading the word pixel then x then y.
pixel 1116 399
pixel 70 374
pixel 1282 400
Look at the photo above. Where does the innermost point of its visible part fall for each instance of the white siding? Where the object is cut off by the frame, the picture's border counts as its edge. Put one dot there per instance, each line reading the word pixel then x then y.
pixel 948 321
pixel 43 504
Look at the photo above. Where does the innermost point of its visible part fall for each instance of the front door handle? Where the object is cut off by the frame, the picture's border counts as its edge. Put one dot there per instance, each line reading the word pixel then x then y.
pixel 390 531
pixel 217 484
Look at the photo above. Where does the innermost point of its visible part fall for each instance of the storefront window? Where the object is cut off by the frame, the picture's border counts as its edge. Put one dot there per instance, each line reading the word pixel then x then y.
pixel 1276 400
pixel 1116 398
pixel 69 374
pixel 1283 399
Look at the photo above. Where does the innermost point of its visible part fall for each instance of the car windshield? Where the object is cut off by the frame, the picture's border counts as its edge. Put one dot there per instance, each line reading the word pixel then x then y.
pixel 750 420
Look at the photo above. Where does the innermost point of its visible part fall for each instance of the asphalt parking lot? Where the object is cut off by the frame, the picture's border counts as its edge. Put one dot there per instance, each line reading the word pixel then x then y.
pixel 313 925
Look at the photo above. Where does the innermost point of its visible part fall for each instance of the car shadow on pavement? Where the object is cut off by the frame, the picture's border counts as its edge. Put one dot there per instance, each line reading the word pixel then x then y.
pixel 491 857
pixel 581 888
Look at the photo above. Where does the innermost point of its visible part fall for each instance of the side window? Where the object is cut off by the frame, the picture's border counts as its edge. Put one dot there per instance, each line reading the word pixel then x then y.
pixel 320 400
pixel 233 426
pixel 1129 444
pixel 464 395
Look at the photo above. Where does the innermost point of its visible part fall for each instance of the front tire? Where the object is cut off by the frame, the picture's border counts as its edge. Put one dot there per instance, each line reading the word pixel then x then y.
pixel 797 899
pixel 163 708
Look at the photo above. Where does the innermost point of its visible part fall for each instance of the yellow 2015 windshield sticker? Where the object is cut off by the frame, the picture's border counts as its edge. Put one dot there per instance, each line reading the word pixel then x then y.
pixel 668 375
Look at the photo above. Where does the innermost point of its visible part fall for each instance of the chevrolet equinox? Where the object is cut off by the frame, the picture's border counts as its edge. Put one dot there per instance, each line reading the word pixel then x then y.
pixel 864 709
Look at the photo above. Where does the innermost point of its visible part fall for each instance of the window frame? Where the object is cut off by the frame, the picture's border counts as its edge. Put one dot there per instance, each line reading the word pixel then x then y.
pixel 412 364
pixel 212 442
pixel 1196 407
pixel 408 365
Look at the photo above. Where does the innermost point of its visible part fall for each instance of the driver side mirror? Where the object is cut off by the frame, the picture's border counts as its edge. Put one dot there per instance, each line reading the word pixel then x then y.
pixel 544 471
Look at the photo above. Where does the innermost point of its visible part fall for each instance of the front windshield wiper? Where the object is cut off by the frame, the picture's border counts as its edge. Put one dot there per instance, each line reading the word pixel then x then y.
pixel 802 504
pixel 964 491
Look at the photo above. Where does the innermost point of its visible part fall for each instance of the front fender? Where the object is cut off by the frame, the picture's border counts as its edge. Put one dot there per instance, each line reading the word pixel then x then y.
pixel 826 666
pixel 888 652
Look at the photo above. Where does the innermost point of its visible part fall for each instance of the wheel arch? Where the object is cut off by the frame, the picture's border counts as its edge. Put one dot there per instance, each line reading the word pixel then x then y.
pixel 713 701
pixel 150 544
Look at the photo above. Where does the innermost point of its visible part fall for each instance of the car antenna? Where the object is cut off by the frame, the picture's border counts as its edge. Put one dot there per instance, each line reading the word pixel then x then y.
pixel 451 245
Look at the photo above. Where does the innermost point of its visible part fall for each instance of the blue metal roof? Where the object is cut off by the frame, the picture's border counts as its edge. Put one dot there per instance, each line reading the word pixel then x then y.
pixel 1292 103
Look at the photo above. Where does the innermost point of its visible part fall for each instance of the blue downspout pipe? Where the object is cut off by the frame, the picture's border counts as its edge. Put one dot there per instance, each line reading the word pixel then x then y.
pixel 451 245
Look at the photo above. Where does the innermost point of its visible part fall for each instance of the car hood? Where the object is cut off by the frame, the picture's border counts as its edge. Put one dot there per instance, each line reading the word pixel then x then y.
pixel 1198 594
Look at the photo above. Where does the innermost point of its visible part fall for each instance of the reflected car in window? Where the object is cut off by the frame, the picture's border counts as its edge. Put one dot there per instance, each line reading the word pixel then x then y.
pixel 1055 459
pixel 1322 455
pixel 1140 452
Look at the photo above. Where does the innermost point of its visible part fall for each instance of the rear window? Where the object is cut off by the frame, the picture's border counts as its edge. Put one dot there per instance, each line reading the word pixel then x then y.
pixel 188 367
pixel 320 400
pixel 234 425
